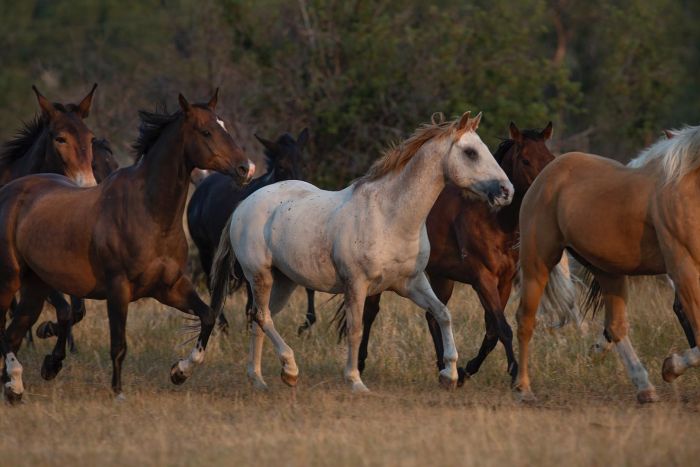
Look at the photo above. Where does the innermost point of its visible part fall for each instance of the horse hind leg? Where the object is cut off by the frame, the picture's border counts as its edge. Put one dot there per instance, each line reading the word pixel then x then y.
pixel 262 287
pixel 310 318
pixel 282 289
pixel 614 289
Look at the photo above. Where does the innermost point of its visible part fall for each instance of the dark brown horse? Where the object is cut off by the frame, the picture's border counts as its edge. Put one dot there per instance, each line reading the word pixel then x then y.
pixel 56 141
pixel 470 243
pixel 216 197
pixel 120 241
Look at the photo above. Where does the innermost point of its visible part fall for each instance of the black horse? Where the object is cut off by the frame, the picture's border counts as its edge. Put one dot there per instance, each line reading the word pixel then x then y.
pixel 216 197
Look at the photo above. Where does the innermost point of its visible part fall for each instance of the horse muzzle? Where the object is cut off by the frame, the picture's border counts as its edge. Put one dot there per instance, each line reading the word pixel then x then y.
pixel 498 193
pixel 85 179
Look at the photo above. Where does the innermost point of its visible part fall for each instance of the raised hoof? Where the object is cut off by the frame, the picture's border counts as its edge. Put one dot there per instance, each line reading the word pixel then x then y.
pixel 447 382
pixel 358 387
pixel 647 396
pixel 524 396
pixel 462 376
pixel 669 370
pixel 289 380
pixel 45 330
pixel 176 375
pixel 11 397
pixel 50 367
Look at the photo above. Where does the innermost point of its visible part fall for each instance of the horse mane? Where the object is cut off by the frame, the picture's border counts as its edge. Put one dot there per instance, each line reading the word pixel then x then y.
pixel 676 156
pixel 22 141
pixel 508 143
pixel 398 155
pixel 152 125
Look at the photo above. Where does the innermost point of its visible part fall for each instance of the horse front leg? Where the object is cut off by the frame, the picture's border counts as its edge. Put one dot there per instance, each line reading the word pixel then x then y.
pixel 64 315
pixel 310 318
pixel 420 292
pixel 183 296
pixel 443 289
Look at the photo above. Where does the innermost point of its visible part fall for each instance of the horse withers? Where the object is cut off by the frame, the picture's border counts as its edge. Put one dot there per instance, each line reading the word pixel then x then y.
pixel 358 241
pixel 644 222
pixel 120 241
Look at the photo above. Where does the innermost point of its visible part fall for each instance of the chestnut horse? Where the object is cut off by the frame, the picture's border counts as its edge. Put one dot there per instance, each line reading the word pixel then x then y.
pixel 120 241
pixel 216 197
pixel 358 241
pixel 645 221
pixel 472 244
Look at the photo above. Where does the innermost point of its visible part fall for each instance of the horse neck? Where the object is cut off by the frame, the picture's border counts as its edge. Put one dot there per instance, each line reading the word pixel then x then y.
pixel 406 197
pixel 166 177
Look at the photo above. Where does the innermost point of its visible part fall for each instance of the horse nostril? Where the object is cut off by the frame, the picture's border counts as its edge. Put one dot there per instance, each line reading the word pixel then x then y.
pixel 506 190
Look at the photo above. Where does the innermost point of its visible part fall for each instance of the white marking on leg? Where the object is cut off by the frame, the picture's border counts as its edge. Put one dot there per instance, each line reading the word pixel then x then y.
pixel 284 352
pixel 195 357
pixel 680 362
pixel 636 371
pixel 601 346
pixel 14 371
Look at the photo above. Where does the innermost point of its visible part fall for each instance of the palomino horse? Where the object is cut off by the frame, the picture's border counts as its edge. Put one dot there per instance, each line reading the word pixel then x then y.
pixel 216 197
pixel 358 241
pixel 472 244
pixel 645 222
pixel 120 241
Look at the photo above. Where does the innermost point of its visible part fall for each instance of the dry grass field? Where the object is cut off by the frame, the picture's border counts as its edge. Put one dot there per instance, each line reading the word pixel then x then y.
pixel 586 412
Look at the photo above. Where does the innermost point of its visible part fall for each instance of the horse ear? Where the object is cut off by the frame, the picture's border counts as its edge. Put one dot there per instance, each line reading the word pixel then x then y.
pixel 84 106
pixel 303 138
pixel 669 134
pixel 464 121
pixel 46 107
pixel 474 122
pixel 184 105
pixel 267 143
pixel 547 132
pixel 514 132
pixel 212 102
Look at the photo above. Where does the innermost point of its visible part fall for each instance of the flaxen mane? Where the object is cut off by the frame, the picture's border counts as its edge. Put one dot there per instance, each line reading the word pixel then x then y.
pixel 676 156
pixel 397 156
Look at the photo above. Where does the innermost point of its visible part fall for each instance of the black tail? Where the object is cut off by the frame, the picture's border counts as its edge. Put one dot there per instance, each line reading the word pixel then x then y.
pixel 226 276
pixel 341 321
pixel 593 300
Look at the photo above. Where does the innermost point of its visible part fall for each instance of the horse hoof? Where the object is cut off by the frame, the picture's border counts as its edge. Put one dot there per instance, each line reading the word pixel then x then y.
pixel 670 369
pixel 647 396
pixel 447 382
pixel 177 376
pixel 462 376
pixel 45 330
pixel 120 398
pixel 289 379
pixel 259 385
pixel 358 387
pixel 524 396
pixel 11 397
pixel 50 367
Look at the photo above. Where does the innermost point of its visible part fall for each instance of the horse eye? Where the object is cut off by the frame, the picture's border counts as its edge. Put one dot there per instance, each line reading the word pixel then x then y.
pixel 60 139
pixel 206 133
pixel 471 153
pixel 526 162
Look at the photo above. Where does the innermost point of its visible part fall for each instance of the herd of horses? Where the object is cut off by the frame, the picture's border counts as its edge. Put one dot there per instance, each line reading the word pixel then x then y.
pixel 435 209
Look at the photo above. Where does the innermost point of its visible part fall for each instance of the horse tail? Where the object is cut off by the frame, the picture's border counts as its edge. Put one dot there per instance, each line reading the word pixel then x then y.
pixel 341 321
pixel 593 300
pixel 225 276
pixel 558 305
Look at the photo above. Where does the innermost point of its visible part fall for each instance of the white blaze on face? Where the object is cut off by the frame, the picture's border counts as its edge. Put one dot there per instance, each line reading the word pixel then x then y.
pixel 221 124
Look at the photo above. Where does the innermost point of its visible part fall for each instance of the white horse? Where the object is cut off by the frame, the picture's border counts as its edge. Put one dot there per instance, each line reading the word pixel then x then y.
pixel 363 240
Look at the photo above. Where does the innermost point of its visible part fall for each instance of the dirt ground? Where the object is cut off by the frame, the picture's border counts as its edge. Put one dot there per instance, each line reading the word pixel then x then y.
pixel 586 413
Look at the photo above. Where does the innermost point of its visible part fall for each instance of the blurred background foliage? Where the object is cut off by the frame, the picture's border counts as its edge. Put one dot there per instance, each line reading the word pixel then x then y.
pixel 362 74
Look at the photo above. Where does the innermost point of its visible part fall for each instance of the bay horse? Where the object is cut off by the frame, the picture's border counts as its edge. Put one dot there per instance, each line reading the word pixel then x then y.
pixel 55 141
pixel 103 164
pixel 358 241
pixel 120 241
pixel 216 197
pixel 617 221
pixel 473 244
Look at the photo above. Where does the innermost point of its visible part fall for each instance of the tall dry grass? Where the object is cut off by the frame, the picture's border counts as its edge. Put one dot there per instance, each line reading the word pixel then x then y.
pixel 586 412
